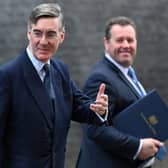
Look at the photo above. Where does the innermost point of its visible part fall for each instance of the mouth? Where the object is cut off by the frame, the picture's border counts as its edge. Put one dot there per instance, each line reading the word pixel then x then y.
pixel 43 50
pixel 125 53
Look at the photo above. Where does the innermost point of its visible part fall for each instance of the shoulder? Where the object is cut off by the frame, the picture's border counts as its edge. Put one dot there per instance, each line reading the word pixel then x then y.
pixel 14 63
pixel 59 64
pixel 10 66
pixel 61 67
pixel 104 66
pixel 103 70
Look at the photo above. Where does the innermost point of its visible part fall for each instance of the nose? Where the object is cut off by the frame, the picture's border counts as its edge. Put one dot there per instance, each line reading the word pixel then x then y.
pixel 125 43
pixel 43 39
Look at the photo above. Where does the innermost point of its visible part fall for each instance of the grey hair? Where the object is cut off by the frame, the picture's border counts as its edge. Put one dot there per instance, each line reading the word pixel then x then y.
pixel 46 10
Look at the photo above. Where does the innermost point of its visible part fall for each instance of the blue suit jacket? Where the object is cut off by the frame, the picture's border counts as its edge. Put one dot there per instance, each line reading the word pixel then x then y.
pixel 28 136
pixel 105 146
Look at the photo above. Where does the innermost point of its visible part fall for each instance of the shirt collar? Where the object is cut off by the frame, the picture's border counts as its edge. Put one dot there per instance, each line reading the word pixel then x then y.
pixel 38 65
pixel 124 70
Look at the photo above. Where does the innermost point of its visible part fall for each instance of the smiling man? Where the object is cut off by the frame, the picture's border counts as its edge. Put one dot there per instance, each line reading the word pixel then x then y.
pixel 38 99
pixel 105 146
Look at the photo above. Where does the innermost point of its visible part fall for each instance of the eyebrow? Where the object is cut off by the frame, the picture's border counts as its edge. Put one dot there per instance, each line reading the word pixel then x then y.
pixel 34 30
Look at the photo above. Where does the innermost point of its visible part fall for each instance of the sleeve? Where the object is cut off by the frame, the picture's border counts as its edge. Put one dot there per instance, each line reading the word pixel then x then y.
pixel 109 138
pixel 4 108
pixel 112 140
pixel 81 107
pixel 78 101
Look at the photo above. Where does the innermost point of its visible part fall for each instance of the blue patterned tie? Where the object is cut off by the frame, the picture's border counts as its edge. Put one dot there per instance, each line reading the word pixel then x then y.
pixel 132 75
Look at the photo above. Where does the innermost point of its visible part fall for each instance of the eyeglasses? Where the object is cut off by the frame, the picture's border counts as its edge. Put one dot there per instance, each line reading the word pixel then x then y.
pixel 50 35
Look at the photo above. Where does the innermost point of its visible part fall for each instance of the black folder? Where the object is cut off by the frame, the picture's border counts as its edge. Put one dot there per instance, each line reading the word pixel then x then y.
pixel 147 117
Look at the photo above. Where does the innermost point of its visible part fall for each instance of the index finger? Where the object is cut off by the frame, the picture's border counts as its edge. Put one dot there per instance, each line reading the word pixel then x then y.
pixel 101 90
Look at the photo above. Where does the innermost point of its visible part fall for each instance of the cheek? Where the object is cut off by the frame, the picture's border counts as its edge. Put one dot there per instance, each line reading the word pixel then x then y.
pixel 116 50
pixel 134 46
pixel 112 49
pixel 134 49
pixel 33 42
pixel 55 45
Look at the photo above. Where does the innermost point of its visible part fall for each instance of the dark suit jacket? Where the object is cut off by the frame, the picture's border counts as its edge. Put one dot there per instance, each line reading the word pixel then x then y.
pixel 106 147
pixel 29 138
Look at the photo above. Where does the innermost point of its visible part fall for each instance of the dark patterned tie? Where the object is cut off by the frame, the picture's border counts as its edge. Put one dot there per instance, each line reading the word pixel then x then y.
pixel 47 81
pixel 49 87
pixel 47 78
pixel 132 75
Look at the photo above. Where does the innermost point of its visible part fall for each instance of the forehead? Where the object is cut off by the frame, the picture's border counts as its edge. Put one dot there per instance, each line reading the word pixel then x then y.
pixel 123 31
pixel 48 23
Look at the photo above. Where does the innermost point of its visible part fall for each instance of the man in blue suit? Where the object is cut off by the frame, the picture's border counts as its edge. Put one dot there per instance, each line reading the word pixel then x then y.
pixel 34 119
pixel 105 146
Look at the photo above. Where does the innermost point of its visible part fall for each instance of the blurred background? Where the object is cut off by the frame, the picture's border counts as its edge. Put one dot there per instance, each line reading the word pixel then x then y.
pixel 83 45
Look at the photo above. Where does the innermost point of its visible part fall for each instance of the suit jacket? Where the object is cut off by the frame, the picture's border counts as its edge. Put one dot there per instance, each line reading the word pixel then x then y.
pixel 29 138
pixel 105 146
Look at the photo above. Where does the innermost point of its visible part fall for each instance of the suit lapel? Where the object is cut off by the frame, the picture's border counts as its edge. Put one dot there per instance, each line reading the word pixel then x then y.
pixel 129 85
pixel 123 78
pixel 37 90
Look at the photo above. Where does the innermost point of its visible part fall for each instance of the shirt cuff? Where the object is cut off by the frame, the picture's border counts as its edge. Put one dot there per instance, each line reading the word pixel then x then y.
pixel 139 149
pixel 103 118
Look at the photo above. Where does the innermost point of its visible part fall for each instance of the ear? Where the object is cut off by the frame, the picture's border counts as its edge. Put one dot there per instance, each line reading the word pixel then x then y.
pixel 106 42
pixel 62 36
pixel 28 34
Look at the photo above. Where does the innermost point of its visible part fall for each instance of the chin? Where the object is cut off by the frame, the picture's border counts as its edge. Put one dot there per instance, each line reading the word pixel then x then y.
pixel 43 58
pixel 126 63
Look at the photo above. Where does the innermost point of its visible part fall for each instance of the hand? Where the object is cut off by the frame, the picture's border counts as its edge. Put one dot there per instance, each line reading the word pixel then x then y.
pixel 149 148
pixel 101 103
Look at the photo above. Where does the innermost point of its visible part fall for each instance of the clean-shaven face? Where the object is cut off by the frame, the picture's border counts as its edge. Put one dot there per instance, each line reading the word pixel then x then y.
pixel 44 38
pixel 122 45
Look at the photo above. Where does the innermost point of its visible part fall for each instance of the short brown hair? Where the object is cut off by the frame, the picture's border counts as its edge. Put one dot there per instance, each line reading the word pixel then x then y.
pixel 120 20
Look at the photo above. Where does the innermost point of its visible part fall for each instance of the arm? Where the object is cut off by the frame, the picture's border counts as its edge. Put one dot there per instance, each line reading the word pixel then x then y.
pixel 86 109
pixel 111 139
pixel 83 108
pixel 108 137
pixel 4 108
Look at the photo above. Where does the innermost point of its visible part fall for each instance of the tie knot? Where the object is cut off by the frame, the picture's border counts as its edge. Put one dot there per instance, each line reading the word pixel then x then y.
pixel 46 68
pixel 131 74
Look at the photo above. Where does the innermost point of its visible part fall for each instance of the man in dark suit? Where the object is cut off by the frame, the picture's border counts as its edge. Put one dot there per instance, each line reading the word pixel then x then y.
pixel 36 103
pixel 105 146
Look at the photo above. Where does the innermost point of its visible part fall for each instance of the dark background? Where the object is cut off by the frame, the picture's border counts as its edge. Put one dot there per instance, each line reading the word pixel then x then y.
pixel 83 45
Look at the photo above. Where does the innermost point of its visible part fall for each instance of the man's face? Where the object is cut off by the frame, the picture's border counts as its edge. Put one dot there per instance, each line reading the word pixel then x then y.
pixel 122 45
pixel 44 38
